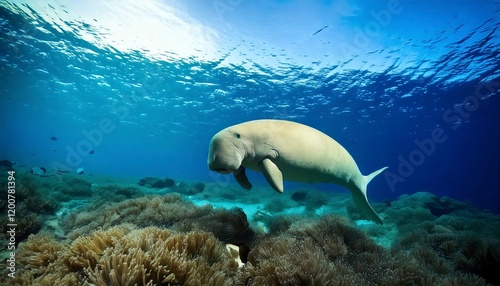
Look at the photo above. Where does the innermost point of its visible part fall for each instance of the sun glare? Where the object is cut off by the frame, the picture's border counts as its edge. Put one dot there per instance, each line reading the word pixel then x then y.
pixel 154 28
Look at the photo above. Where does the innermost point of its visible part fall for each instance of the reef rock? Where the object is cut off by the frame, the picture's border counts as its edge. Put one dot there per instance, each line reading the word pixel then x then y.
pixel 157 183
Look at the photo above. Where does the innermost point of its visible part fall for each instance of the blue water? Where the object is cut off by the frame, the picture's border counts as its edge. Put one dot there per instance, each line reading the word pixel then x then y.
pixel 146 85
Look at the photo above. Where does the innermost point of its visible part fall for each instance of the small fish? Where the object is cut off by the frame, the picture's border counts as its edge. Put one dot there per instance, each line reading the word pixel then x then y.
pixel 91 152
pixel 320 30
pixel 53 138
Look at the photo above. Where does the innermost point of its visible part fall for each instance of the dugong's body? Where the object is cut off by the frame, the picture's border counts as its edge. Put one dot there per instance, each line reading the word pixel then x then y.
pixel 285 150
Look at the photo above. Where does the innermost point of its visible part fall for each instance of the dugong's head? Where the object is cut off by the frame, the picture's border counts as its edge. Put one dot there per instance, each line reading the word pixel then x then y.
pixel 227 150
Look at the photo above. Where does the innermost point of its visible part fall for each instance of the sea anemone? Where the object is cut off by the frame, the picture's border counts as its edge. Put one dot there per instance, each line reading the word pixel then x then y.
pixel 125 256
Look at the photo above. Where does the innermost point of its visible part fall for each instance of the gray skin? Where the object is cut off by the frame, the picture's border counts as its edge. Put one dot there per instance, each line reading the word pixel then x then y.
pixel 285 150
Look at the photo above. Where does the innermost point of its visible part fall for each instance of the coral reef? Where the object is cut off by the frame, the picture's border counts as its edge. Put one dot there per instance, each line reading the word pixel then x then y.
pixel 125 256
pixel 229 226
pixel 143 211
pixel 34 204
pixel 171 210
pixel 123 237
pixel 189 189
pixel 70 187
pixel 196 188
pixel 355 213
pixel 311 199
pixel 445 205
pixel 277 205
pixel 330 251
pixel 460 238
pixel 102 195
pixel 299 195
pixel 285 260
pixel 156 183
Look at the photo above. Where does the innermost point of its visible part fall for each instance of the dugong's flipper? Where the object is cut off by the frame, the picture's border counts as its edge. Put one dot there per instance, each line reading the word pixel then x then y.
pixel 241 178
pixel 360 199
pixel 272 174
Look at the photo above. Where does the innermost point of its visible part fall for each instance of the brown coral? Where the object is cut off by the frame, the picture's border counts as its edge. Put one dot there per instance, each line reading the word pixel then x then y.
pixel 39 251
pixel 72 187
pixel 41 256
pixel 195 258
pixel 145 211
pixel 34 204
pixel 285 260
pixel 170 211
pixel 85 251
pixel 125 256
pixel 481 256
pixel 334 234
pixel 432 261
pixel 298 251
pixel 229 226
pixel 463 279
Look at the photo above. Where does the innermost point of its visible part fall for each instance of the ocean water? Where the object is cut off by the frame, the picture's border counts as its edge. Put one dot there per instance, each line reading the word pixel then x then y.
pixel 168 76
pixel 131 89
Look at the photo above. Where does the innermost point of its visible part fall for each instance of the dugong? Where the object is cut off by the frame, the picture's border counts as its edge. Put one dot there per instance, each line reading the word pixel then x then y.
pixel 286 150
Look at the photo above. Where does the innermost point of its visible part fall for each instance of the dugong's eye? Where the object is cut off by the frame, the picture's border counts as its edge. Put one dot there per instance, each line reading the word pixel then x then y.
pixel 237 135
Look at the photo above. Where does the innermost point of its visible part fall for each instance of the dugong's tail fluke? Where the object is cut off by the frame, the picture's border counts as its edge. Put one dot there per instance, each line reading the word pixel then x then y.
pixel 360 199
pixel 370 177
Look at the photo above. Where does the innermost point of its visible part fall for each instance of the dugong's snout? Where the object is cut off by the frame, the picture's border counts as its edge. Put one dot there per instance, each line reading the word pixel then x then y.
pixel 218 164
pixel 222 156
pixel 213 164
